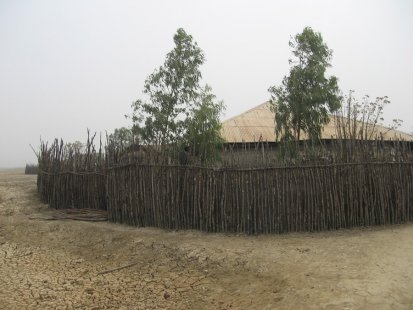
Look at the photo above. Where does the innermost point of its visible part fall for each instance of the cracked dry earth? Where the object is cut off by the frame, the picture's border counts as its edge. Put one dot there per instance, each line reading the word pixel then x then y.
pixel 73 265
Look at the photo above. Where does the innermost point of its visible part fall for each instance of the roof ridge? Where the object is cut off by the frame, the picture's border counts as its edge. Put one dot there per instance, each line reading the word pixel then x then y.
pixel 245 112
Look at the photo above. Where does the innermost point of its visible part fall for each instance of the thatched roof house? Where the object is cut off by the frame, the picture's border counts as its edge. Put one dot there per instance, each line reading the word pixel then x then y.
pixel 257 124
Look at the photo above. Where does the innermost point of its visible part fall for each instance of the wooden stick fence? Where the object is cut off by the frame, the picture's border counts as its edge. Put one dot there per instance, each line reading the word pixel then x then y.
pixel 266 200
pixel 31 169
pixel 73 190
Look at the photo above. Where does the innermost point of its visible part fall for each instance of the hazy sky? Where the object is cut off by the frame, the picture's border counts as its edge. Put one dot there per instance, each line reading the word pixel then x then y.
pixel 66 66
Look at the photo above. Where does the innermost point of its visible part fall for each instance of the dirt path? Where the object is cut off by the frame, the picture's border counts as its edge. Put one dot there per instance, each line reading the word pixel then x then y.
pixel 61 264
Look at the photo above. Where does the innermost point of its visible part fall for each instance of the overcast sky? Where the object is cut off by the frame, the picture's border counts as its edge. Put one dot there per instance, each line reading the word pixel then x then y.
pixel 66 66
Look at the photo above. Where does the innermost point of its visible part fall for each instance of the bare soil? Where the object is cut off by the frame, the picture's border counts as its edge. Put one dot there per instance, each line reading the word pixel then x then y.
pixel 73 265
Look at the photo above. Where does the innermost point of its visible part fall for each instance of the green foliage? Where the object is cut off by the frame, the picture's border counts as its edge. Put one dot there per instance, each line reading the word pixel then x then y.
pixel 358 119
pixel 121 137
pixel 171 89
pixel 179 112
pixel 306 97
pixel 203 126
pixel 77 147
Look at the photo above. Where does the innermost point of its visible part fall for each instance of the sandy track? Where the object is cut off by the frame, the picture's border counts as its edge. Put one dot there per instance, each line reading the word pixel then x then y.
pixel 58 264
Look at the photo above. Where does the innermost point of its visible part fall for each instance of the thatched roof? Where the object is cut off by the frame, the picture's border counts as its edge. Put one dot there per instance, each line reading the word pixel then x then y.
pixel 257 124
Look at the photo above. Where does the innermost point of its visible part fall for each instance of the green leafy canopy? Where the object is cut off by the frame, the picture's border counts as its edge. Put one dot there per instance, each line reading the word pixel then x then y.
pixel 306 97
pixel 178 110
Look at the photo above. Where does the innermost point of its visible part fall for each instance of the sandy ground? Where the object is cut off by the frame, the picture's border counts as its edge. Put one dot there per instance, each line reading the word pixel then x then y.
pixel 62 264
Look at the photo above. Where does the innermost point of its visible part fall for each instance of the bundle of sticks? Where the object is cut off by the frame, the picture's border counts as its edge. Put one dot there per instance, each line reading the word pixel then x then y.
pixel 91 215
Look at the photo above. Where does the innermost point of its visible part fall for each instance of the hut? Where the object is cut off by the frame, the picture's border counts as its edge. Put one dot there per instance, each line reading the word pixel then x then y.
pixel 255 130
pixel 257 125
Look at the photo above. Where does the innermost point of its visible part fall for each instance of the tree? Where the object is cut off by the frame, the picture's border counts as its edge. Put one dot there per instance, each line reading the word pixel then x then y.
pixel 203 127
pixel 171 89
pixel 179 111
pixel 121 137
pixel 76 147
pixel 306 97
pixel 358 120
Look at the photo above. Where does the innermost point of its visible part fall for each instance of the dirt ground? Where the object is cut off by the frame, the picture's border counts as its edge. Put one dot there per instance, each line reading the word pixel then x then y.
pixel 71 264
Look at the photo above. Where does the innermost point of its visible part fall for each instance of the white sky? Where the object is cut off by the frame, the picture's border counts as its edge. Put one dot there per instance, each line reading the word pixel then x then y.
pixel 66 66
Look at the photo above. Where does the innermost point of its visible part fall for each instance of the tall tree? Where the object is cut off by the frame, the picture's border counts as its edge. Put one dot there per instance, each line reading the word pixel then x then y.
pixel 179 111
pixel 203 126
pixel 306 97
pixel 171 89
